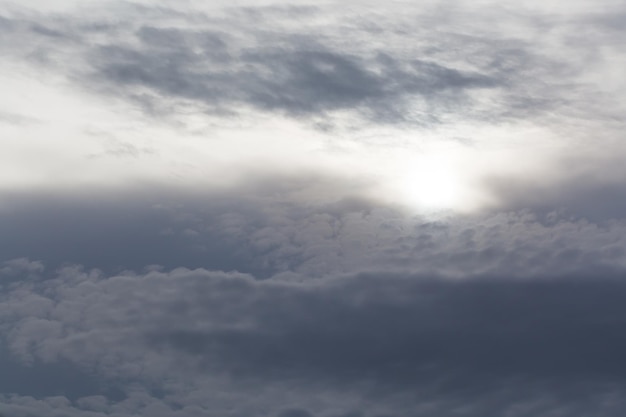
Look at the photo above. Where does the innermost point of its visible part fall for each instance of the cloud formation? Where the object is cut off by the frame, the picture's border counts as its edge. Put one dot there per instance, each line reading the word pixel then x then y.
pixel 264 230
pixel 384 335
pixel 380 66
pixel 223 210
pixel 486 311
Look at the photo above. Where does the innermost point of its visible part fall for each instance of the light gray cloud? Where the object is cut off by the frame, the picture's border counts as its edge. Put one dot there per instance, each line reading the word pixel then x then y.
pixel 302 78
pixel 16 119
pixel 378 66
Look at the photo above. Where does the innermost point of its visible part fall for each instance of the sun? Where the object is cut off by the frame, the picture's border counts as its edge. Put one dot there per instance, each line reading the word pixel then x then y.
pixel 431 185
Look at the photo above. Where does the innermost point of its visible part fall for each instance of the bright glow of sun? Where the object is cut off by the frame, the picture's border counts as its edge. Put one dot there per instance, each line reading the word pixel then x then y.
pixel 431 185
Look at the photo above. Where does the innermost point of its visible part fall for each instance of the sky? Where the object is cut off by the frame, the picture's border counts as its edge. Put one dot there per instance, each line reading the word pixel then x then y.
pixel 312 209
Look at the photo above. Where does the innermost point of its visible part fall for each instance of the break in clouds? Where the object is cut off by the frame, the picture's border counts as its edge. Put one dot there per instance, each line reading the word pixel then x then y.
pixel 312 210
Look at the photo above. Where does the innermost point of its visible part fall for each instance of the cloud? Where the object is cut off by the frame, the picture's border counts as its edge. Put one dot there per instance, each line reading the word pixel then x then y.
pixel 267 268
pixel 383 335
pixel 374 66
pixel 297 80
pixel 16 119
pixel 23 267
pixel 375 327
pixel 42 380
pixel 266 228
pixel 194 95
pixel 490 311
pixel 589 188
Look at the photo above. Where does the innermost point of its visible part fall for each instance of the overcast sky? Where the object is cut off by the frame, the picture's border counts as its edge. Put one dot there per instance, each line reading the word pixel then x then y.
pixel 255 208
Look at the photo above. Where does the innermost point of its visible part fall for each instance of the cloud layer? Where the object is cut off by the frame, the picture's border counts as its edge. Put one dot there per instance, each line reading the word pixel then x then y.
pixel 383 335
pixel 333 309
pixel 328 210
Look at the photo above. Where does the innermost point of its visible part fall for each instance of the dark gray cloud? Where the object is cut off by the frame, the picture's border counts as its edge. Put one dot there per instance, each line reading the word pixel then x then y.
pixel 375 336
pixel 592 191
pixel 490 312
pixel 42 380
pixel 260 228
pixel 418 330
pixel 229 230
